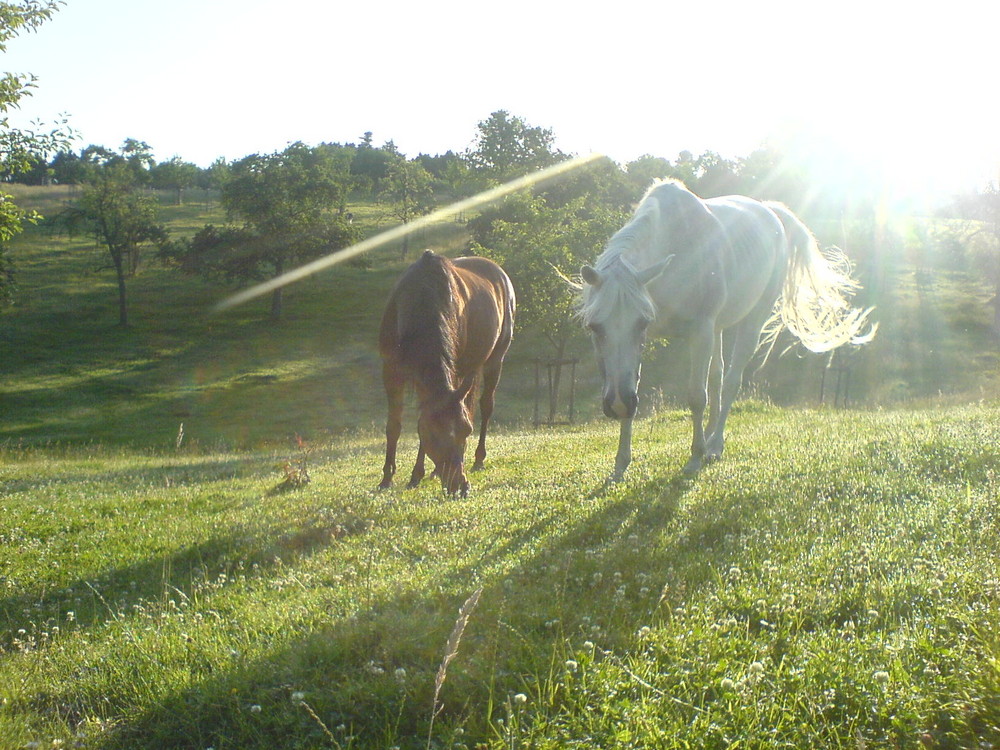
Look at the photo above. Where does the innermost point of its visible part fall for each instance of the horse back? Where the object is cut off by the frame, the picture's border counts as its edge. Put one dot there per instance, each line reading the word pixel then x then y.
pixel 464 305
pixel 754 255
pixel 489 311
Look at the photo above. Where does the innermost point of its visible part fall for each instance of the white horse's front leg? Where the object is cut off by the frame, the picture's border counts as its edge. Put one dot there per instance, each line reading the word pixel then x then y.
pixel 624 456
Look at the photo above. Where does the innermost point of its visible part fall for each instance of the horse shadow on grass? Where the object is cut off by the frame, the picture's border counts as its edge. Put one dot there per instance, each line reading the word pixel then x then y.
pixel 545 587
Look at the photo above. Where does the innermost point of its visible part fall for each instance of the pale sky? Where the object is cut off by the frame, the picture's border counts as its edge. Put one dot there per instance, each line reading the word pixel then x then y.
pixel 908 85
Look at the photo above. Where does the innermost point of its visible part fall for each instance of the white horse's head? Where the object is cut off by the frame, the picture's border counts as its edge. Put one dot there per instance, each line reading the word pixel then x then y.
pixel 617 310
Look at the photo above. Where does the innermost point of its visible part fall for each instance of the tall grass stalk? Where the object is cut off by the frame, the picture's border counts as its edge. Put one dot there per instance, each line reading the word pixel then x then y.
pixel 450 651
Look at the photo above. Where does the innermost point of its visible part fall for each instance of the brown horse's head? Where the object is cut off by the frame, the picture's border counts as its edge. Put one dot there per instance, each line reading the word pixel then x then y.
pixel 444 427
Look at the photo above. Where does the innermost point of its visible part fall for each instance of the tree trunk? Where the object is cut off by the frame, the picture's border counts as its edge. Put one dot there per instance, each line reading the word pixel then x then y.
pixel 276 303
pixel 122 306
pixel 276 295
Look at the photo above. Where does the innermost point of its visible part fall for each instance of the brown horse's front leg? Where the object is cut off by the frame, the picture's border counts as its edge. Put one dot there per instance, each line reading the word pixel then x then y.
pixel 393 382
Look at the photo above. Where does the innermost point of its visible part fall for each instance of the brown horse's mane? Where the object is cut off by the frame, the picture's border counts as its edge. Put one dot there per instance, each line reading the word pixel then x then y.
pixel 427 322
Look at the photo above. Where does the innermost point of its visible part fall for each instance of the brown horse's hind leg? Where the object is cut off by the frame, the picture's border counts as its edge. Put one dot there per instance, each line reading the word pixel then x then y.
pixel 491 376
pixel 393 382
pixel 418 469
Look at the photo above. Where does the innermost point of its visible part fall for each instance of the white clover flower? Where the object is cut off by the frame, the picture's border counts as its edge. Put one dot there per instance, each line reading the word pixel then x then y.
pixel 572 665
pixel 644 631
pixel 400 674
pixel 881 677
pixel 727 684
pixel 756 669
pixel 520 699
pixel 589 645
pixel 298 696
pixel 255 709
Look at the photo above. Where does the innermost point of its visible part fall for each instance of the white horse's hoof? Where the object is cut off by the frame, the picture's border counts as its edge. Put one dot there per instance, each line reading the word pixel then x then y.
pixel 692 467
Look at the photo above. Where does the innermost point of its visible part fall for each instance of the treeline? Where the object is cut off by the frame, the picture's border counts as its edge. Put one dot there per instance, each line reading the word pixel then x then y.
pixel 505 146
pixel 289 207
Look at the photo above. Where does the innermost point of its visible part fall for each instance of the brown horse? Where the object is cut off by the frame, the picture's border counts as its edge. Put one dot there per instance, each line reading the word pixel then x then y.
pixel 446 322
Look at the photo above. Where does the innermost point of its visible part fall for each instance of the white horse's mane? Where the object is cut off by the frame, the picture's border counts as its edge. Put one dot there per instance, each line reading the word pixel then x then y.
pixel 616 264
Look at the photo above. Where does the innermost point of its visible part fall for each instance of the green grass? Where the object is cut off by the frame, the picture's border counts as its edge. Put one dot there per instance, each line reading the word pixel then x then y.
pixel 831 583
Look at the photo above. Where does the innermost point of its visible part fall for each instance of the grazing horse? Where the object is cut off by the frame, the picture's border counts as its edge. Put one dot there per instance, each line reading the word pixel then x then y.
pixel 446 322
pixel 730 264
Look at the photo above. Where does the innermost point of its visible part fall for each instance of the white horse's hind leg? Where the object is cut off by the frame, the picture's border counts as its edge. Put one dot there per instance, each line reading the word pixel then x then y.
pixel 624 456
pixel 744 345
pixel 702 344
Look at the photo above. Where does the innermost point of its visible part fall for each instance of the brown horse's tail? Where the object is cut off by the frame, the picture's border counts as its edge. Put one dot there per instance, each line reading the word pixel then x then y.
pixel 814 303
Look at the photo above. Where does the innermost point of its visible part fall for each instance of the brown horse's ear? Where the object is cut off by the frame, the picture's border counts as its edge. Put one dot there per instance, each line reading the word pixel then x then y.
pixel 590 276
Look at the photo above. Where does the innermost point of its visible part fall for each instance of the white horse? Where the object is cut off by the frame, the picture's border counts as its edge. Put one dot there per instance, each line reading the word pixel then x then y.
pixel 736 265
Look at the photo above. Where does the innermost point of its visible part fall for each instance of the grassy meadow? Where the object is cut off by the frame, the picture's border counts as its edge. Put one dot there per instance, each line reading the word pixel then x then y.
pixel 831 583
pixel 238 583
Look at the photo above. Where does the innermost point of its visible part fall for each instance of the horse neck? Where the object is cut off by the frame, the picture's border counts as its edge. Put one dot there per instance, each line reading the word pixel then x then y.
pixel 643 241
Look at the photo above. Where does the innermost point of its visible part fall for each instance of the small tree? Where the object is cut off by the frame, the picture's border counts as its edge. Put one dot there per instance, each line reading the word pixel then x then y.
pixel 507 147
pixel 407 192
pixel 287 208
pixel 174 174
pixel 122 219
pixel 535 250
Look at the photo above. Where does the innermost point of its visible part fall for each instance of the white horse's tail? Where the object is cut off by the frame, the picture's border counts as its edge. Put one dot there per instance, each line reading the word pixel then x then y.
pixel 814 302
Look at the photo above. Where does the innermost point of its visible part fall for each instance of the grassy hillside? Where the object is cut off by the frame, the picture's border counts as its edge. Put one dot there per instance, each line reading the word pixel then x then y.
pixel 831 583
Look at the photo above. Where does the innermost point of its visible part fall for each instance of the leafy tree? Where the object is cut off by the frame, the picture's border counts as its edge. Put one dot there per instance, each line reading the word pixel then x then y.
pixel 981 239
pixel 408 194
pixel 120 217
pixel 20 149
pixel 715 176
pixel 215 176
pixel 370 165
pixel 507 147
pixel 544 243
pixel 139 157
pixel 286 210
pixel 645 169
pixel 174 174
pixel 68 168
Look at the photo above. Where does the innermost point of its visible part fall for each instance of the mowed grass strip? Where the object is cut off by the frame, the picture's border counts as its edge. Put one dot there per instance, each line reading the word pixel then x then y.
pixel 831 583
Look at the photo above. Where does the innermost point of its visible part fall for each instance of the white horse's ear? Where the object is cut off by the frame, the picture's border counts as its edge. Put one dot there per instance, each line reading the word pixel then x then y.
pixel 654 270
pixel 590 276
